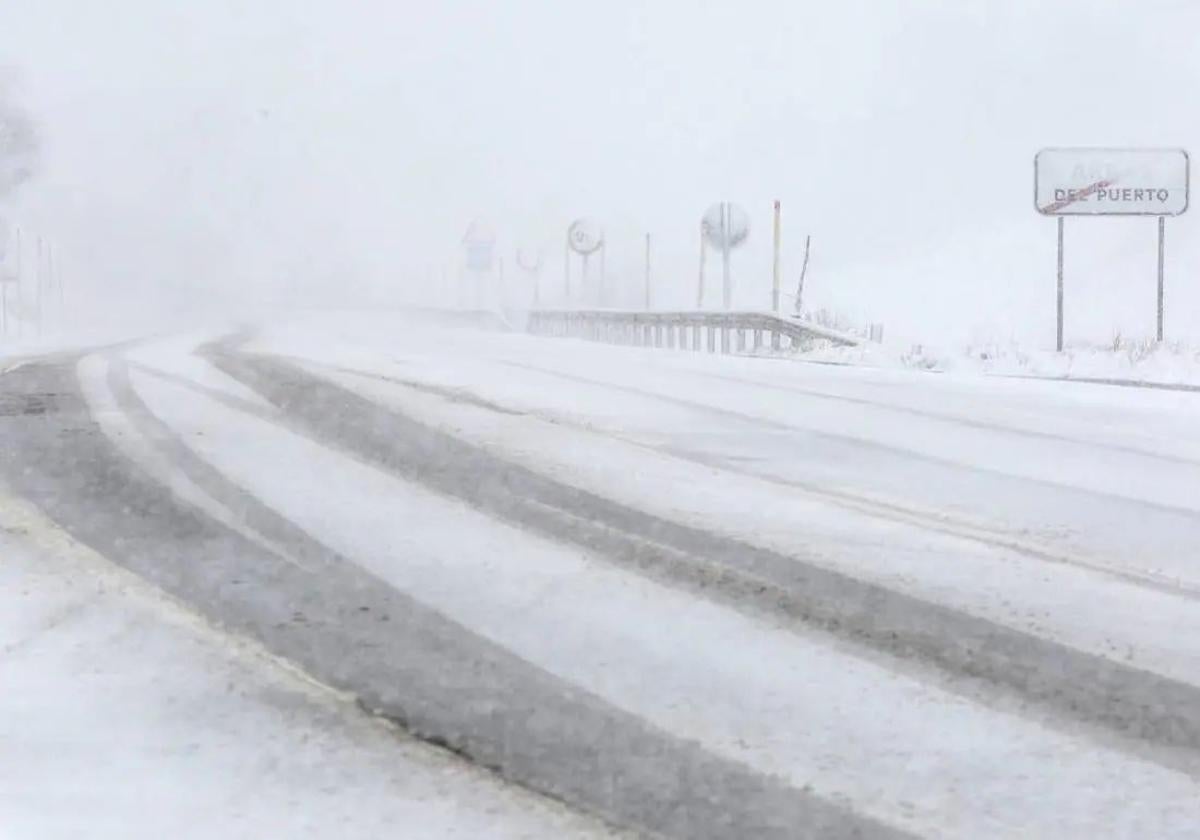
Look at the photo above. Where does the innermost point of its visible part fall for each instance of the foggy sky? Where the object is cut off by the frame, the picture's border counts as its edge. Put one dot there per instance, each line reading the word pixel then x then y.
pixel 243 154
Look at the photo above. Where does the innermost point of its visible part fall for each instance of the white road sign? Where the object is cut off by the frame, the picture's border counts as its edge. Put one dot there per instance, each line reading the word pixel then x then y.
pixel 479 243
pixel 1111 182
pixel 585 236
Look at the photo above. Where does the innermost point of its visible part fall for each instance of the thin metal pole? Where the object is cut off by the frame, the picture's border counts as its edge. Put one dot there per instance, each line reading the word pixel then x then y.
pixel 567 271
pixel 703 253
pixel 1059 343
pixel 37 276
pixel 1162 236
pixel 647 272
pixel 603 260
pixel 727 291
pixel 775 266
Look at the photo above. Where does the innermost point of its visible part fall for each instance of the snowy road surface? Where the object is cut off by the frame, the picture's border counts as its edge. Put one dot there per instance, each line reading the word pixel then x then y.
pixel 121 716
pixel 686 595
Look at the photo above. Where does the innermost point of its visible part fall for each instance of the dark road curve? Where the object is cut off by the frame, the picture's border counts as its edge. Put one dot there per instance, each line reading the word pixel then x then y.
pixel 348 629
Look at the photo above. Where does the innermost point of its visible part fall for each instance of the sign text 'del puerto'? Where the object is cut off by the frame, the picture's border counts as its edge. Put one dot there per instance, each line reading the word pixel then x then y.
pixel 1111 182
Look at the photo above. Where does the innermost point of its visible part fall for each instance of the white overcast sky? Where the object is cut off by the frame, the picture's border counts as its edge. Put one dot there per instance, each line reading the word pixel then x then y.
pixel 246 151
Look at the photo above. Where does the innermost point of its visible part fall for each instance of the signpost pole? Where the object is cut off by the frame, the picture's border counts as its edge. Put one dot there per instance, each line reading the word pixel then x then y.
pixel 600 288
pixel 647 272
pixel 700 285
pixel 726 234
pixel 1162 235
pixel 567 271
pixel 1060 284
pixel 775 266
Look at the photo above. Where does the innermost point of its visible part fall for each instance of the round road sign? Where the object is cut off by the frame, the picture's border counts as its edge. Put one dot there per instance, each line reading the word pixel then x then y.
pixel 726 225
pixel 585 236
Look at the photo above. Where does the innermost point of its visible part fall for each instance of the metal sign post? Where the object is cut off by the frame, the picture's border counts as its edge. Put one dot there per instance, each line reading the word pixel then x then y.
pixel 1112 182
pixel 725 226
pixel 603 274
pixel 726 282
pixel 1162 234
pixel 1059 342
pixel 775 264
pixel 647 272
pixel 585 237
pixel 479 244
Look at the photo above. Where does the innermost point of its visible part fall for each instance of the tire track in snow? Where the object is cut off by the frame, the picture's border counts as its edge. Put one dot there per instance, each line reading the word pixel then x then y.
pixel 1077 684
pixel 448 686
pixel 955 419
pixel 920 457
pixel 936 521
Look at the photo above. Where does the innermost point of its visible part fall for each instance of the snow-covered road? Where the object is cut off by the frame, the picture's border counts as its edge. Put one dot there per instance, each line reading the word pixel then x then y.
pixel 124 716
pixel 695 595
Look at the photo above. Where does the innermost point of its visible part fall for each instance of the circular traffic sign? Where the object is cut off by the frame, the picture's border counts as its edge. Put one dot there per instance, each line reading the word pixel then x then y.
pixel 585 236
pixel 726 225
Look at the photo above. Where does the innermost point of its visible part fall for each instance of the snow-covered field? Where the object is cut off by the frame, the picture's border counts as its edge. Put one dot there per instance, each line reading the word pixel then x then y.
pixel 1123 361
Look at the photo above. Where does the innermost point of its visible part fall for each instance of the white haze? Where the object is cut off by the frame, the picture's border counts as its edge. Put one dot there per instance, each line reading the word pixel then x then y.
pixel 228 157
